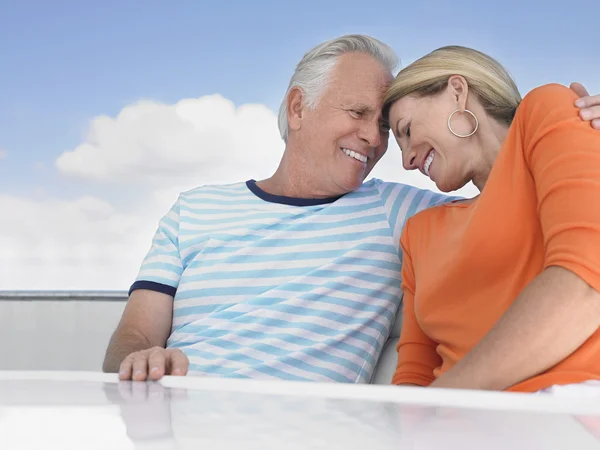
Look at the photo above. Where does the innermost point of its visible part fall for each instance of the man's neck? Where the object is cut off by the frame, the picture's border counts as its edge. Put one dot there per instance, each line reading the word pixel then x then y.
pixel 293 179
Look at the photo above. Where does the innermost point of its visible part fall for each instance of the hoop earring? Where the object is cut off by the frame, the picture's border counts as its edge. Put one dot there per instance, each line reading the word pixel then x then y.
pixel 463 135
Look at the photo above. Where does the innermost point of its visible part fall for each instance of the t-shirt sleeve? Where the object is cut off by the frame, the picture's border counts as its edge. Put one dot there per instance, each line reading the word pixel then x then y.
pixel 417 356
pixel 563 155
pixel 162 267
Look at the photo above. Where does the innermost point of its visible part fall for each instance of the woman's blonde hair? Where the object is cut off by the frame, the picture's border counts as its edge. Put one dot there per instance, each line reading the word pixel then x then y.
pixel 485 76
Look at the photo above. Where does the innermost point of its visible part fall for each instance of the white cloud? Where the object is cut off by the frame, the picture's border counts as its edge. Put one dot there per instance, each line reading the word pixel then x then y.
pixel 78 244
pixel 3 153
pixel 204 140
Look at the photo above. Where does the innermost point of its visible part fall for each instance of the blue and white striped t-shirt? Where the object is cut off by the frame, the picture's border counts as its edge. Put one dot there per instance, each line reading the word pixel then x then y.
pixel 276 287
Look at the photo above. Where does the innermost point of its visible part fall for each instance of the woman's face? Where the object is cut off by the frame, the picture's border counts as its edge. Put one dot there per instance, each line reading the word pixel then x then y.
pixel 420 126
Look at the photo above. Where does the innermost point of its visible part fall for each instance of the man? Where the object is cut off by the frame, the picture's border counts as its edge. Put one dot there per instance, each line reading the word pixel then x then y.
pixel 294 277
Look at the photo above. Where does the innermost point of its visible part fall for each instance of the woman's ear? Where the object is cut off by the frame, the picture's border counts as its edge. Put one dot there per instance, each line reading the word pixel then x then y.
pixel 459 89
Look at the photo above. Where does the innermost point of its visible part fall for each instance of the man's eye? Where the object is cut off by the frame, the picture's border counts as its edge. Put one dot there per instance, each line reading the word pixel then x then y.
pixel 356 113
pixel 407 132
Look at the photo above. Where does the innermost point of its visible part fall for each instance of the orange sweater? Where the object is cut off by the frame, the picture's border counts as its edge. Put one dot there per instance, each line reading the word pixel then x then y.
pixel 466 263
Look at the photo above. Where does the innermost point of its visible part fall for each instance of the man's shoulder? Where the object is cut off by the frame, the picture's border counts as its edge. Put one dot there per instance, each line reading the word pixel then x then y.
pixel 219 196
pixel 216 189
pixel 382 184
pixel 396 191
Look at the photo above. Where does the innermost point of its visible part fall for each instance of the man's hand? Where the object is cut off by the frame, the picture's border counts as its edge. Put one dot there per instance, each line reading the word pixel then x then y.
pixel 153 364
pixel 589 105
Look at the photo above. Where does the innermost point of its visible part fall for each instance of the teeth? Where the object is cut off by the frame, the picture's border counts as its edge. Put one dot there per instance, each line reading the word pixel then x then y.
pixel 355 155
pixel 428 161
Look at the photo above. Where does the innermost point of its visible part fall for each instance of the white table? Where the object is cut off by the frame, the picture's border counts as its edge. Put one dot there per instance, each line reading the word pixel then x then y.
pixel 80 410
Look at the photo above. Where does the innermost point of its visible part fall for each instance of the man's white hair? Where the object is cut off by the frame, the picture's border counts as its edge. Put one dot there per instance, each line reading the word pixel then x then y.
pixel 313 70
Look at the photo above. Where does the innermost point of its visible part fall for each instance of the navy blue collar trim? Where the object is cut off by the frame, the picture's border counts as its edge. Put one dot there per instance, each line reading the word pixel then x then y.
pixel 292 201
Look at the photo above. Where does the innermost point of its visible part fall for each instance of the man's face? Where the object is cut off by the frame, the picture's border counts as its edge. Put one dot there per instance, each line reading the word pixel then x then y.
pixel 344 136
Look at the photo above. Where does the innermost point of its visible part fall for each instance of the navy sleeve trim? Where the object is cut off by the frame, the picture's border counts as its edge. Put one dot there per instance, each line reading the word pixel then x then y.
pixel 153 286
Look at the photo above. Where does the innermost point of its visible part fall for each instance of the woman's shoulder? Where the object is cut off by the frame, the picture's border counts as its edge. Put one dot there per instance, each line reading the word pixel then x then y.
pixel 549 101
pixel 543 109
pixel 434 218
pixel 549 92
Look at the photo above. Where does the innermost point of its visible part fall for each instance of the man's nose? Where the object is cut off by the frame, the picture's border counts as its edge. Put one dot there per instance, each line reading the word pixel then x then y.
pixel 370 132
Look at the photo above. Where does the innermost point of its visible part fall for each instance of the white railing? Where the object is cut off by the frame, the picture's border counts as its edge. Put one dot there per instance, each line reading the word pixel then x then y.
pixel 57 330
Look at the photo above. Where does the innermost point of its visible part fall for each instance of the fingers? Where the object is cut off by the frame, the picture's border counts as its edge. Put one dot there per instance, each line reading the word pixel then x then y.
pixel 589 105
pixel 140 366
pixel 591 113
pixel 579 89
pixel 178 362
pixel 126 368
pixel 588 101
pixel 157 363
pixel 135 366
pixel 153 364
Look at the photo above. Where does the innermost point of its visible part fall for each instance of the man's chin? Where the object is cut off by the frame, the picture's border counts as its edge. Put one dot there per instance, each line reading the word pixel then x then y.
pixel 348 181
pixel 352 185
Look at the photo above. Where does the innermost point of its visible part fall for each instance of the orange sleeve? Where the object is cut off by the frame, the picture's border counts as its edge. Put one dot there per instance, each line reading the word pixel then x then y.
pixel 417 356
pixel 563 155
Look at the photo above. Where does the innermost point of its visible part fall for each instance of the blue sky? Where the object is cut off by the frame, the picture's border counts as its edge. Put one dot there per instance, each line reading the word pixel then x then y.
pixel 68 67
pixel 65 62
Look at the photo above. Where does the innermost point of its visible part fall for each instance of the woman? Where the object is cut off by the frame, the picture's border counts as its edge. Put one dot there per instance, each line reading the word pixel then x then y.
pixel 501 291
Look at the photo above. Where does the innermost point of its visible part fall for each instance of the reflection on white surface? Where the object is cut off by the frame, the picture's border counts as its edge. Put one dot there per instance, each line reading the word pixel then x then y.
pixel 69 428
pixel 96 412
